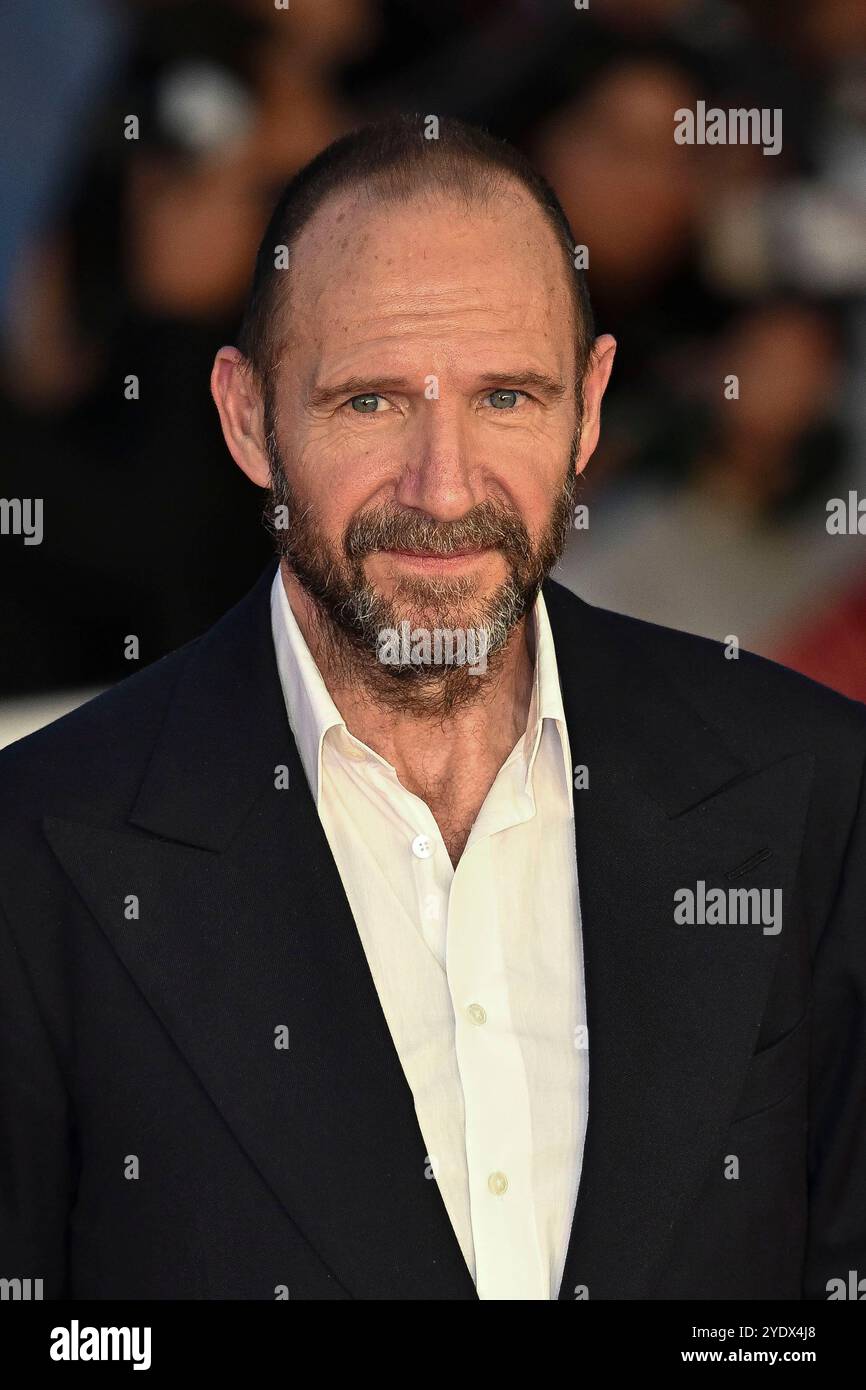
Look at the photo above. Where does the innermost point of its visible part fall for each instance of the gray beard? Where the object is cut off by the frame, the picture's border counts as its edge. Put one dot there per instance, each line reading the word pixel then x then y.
pixel 349 616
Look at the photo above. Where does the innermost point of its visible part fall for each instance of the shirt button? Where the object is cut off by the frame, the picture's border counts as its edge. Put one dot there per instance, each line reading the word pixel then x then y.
pixel 497 1182
pixel 477 1014
pixel 422 847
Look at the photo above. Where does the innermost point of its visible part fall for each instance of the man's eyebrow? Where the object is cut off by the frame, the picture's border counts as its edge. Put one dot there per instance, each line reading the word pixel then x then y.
pixel 355 386
pixel 551 386
pixel 546 385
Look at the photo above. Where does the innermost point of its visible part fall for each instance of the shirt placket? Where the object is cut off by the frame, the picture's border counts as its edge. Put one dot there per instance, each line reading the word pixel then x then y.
pixel 508 1257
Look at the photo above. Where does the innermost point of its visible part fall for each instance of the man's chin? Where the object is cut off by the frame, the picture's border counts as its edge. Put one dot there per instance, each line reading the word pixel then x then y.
pixel 481 622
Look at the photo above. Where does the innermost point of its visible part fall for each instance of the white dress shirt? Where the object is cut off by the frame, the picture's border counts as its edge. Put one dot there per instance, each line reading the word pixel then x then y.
pixel 479 969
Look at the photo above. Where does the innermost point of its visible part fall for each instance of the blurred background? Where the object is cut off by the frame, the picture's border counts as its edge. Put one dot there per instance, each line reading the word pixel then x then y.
pixel 124 263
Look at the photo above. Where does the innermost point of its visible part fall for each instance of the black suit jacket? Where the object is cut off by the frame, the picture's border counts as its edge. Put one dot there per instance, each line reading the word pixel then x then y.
pixel 166 907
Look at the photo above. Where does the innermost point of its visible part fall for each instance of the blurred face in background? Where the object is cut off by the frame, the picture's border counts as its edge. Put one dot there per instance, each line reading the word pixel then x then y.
pixel 423 426
pixel 629 191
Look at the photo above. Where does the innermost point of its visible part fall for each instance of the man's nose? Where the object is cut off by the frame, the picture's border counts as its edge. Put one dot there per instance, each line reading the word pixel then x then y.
pixel 438 478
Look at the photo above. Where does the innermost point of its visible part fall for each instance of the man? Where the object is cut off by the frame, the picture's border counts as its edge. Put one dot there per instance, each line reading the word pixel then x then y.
pixel 421 932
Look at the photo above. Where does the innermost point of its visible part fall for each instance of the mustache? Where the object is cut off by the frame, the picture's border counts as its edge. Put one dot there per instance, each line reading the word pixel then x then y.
pixel 391 528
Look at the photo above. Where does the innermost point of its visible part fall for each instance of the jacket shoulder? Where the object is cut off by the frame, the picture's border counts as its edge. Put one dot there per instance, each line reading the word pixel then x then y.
pixel 741 692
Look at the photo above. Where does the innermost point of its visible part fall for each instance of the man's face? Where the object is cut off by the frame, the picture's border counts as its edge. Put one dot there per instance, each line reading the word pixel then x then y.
pixel 422 427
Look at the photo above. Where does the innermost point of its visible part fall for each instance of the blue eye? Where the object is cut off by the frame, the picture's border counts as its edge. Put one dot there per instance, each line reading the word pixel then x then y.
pixel 365 405
pixel 503 399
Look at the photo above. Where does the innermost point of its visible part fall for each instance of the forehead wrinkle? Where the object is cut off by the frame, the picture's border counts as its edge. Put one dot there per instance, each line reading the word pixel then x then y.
pixel 387 353
pixel 460 353
pixel 527 323
pixel 390 325
pixel 424 288
pixel 449 311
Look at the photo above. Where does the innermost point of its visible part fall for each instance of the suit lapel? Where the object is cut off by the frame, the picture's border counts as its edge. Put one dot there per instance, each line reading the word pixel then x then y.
pixel 244 927
pixel 673 1010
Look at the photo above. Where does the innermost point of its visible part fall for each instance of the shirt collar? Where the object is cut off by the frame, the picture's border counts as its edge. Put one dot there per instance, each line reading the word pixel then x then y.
pixel 312 712
pixel 546 700
pixel 309 706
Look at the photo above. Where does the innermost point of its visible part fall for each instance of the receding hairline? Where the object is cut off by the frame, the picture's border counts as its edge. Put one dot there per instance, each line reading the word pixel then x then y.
pixel 395 161
pixel 372 196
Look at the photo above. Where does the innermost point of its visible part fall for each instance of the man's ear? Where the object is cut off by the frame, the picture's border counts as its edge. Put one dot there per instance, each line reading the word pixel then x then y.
pixel 597 377
pixel 239 403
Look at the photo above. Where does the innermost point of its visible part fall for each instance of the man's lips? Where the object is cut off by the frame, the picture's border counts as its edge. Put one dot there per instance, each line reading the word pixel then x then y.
pixel 435 556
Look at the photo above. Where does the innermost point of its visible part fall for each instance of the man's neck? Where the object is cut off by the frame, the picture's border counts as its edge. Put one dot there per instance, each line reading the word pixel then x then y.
pixel 448 759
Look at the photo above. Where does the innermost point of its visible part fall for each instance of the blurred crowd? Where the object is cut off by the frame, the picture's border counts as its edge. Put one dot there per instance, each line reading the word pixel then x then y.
pixel 124 263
